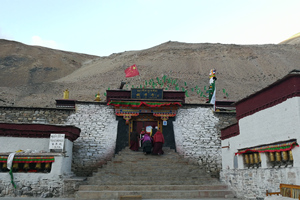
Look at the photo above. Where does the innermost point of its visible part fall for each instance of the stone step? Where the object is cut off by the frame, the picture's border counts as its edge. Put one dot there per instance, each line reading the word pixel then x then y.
pixel 152 182
pixel 135 175
pixel 150 178
pixel 140 155
pixel 166 151
pixel 149 161
pixel 151 187
pixel 153 168
pixel 148 158
pixel 149 167
pixel 162 160
pixel 163 194
pixel 145 172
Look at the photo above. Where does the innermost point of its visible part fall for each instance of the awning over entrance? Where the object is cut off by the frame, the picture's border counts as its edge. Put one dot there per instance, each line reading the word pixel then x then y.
pixel 137 101
pixel 129 109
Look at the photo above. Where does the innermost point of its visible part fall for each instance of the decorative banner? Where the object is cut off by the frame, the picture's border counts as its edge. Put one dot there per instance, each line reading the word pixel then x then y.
pixel 164 116
pixel 40 159
pixel 271 148
pixel 212 87
pixel 127 116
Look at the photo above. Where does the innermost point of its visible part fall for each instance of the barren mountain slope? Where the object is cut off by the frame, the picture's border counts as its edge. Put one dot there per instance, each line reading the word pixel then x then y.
pixel 23 64
pixel 241 70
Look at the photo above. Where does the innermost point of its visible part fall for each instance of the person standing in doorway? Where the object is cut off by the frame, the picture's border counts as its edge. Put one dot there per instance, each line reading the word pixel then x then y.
pixel 154 129
pixel 134 141
pixel 158 141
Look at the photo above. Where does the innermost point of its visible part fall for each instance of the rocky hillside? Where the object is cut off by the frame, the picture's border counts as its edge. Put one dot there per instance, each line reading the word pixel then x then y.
pixel 36 76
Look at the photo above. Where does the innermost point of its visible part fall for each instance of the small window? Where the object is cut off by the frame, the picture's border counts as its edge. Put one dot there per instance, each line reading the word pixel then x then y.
pixel 235 162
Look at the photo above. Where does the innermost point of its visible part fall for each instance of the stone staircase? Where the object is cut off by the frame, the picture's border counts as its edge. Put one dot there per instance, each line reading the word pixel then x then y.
pixel 133 175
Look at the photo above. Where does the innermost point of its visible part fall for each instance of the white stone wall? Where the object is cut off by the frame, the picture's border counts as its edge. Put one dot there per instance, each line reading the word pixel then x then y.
pixel 97 140
pixel 253 183
pixel 197 137
pixel 275 124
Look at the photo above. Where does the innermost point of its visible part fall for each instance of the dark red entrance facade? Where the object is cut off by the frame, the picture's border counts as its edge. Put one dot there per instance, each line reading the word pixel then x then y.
pixel 141 108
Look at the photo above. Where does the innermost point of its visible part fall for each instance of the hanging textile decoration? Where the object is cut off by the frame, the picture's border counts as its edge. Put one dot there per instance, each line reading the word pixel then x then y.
pixel 127 116
pixel 164 116
pixel 9 162
pixel 42 159
pixel 140 103
pixel 271 148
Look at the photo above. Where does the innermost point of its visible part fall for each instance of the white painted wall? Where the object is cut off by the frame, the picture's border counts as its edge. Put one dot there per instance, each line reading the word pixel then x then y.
pixel 13 144
pixel 62 163
pixel 275 124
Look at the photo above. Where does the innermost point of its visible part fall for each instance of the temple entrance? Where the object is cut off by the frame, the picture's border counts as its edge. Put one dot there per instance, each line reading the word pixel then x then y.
pixel 144 121
pixel 138 125
pixel 145 107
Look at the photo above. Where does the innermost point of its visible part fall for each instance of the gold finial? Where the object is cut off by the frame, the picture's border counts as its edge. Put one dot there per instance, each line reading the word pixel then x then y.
pixel 66 94
pixel 97 97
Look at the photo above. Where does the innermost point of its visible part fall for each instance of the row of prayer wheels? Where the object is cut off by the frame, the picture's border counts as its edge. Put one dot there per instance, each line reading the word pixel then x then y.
pixel 281 156
pixel 27 167
pixel 255 159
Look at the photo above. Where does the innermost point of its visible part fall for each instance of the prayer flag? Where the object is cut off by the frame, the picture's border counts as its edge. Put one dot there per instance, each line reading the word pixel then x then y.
pixel 131 71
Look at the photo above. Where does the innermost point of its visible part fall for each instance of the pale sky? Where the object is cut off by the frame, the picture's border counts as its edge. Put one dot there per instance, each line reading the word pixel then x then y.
pixel 103 27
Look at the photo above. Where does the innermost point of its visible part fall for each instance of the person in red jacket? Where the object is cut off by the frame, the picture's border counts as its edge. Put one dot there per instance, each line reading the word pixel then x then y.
pixel 158 141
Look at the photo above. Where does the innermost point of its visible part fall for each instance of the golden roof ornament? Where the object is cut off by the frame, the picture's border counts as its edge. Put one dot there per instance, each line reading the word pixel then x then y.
pixel 66 94
pixel 98 97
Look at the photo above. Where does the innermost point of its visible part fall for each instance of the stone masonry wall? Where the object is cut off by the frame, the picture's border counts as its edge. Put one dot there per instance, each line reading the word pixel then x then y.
pixel 253 183
pixel 197 136
pixel 42 188
pixel 97 141
pixel 34 115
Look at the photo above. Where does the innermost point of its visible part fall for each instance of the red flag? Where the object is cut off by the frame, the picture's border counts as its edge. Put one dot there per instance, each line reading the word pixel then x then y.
pixel 131 71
